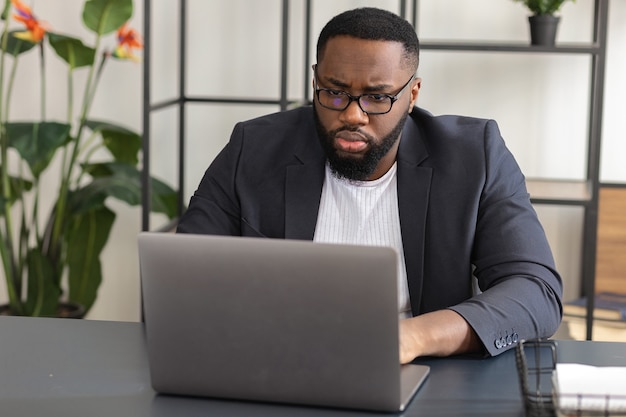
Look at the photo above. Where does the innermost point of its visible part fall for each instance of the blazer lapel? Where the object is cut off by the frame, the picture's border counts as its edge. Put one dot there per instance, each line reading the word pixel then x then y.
pixel 303 188
pixel 413 193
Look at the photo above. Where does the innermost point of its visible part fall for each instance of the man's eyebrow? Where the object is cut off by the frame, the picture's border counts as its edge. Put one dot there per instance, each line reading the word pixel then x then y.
pixel 369 89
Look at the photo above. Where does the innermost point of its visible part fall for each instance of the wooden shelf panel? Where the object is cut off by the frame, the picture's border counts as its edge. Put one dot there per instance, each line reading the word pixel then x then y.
pixel 611 246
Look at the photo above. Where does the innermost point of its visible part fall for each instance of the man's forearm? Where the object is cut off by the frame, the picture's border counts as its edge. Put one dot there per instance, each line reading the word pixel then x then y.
pixel 439 333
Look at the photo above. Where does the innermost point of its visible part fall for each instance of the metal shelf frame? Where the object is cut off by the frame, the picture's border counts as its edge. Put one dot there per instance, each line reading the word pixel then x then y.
pixel 543 191
pixel 183 98
pixel 578 193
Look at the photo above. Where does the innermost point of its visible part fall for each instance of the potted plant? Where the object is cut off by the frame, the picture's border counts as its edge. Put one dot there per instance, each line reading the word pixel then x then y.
pixel 46 248
pixel 543 22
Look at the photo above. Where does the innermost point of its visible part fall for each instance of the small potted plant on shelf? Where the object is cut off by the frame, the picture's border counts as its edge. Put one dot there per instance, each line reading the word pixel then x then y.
pixel 543 22
pixel 48 244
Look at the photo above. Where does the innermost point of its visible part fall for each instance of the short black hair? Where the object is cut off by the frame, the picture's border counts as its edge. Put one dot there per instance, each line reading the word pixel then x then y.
pixel 371 23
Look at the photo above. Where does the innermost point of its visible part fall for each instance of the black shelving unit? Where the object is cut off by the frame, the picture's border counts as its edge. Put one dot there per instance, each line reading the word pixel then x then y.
pixel 583 194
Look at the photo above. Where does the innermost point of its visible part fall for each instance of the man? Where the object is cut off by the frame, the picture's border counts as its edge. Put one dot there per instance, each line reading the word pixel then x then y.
pixel 363 165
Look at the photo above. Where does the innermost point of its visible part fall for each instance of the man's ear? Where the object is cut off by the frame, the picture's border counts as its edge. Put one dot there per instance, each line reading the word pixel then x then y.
pixel 415 90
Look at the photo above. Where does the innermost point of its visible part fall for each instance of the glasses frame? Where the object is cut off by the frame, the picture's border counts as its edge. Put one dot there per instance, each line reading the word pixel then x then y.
pixel 352 98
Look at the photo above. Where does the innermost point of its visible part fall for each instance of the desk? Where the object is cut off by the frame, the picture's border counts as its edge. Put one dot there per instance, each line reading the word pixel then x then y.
pixel 78 368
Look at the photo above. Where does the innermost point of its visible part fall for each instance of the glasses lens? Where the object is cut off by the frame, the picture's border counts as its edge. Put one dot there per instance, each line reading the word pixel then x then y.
pixel 375 103
pixel 333 100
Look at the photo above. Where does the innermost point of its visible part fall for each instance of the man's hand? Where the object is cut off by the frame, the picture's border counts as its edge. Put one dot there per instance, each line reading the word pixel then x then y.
pixel 439 333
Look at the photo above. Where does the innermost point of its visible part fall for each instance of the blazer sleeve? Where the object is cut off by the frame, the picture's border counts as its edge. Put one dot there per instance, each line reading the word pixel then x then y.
pixel 214 207
pixel 520 289
pixel 243 192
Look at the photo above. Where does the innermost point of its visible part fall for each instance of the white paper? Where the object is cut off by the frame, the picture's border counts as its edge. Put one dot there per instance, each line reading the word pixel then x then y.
pixel 589 388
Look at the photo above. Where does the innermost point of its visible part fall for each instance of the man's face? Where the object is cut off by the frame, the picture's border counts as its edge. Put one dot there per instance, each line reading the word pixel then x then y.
pixel 358 145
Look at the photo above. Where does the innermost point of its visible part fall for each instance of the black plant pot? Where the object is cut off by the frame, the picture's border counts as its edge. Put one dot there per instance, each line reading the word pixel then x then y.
pixel 67 310
pixel 543 29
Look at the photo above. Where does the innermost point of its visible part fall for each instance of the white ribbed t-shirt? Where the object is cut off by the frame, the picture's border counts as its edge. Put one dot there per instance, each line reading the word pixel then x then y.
pixel 364 213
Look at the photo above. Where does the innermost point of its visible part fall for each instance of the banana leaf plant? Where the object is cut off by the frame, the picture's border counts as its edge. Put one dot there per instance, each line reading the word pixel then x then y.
pixel 51 249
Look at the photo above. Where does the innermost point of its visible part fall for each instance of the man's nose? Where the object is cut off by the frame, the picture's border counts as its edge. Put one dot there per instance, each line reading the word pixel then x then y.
pixel 353 114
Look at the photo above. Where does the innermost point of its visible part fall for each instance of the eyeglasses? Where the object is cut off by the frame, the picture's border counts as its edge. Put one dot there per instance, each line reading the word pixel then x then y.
pixel 369 103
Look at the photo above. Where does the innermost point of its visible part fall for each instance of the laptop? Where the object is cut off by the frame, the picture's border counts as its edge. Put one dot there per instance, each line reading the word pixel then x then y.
pixel 271 320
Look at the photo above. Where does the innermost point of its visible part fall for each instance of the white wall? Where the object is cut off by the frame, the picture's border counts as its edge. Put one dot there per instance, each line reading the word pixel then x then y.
pixel 539 101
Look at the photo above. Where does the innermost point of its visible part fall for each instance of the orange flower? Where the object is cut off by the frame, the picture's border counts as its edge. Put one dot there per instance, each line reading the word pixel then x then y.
pixel 35 30
pixel 127 41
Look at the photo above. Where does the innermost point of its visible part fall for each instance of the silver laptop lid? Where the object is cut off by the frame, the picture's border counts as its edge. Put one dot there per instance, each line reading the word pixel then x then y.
pixel 272 320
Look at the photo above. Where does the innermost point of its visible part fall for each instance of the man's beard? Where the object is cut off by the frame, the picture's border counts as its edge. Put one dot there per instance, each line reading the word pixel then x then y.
pixel 356 168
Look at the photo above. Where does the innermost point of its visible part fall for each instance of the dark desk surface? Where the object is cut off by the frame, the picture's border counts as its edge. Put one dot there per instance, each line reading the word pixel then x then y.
pixel 64 367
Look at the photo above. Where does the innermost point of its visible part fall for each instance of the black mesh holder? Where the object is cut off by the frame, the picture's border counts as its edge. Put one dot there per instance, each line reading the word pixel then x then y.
pixel 536 362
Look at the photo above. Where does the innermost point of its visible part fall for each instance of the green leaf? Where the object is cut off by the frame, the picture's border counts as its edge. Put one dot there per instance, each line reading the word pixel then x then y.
pixel 164 198
pixel 85 199
pixel 106 16
pixel 114 180
pixel 72 50
pixel 43 286
pixel 37 142
pixel 123 182
pixel 542 7
pixel 17 186
pixel 123 144
pixel 16 46
pixel 87 235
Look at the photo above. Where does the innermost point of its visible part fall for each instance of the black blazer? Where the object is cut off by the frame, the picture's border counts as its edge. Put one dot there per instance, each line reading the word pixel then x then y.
pixel 464 212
